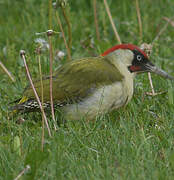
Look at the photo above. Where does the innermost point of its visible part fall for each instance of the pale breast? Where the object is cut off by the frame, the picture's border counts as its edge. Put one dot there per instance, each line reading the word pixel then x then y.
pixel 101 101
pixel 128 87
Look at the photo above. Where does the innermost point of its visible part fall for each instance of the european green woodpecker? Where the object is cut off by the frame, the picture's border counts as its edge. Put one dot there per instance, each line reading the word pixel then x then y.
pixel 92 86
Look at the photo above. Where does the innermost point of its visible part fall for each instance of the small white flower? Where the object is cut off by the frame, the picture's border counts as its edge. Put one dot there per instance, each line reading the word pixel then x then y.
pixel 59 55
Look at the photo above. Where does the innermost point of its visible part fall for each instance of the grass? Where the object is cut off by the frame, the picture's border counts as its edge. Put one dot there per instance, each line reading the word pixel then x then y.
pixel 135 142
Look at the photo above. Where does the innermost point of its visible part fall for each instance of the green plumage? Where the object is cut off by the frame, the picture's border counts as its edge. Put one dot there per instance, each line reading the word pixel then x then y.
pixel 74 81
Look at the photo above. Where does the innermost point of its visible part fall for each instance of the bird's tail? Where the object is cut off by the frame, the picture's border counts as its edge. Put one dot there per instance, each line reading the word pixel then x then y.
pixel 19 106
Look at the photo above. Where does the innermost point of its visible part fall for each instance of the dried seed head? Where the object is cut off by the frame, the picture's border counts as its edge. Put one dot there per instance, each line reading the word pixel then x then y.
pixel 147 48
pixel 50 32
pixel 22 53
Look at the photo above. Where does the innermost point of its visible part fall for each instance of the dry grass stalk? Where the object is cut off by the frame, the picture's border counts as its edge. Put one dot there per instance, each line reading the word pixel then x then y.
pixel 7 72
pixel 139 19
pixel 63 34
pixel 22 53
pixel 42 99
pixel 23 172
pixel 96 20
pixel 69 27
pixel 151 85
pixel 112 22
pixel 169 20
pixel 50 14
pixel 49 34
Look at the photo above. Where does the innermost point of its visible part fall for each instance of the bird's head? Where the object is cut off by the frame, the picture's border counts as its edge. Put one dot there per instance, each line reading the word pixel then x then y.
pixel 135 59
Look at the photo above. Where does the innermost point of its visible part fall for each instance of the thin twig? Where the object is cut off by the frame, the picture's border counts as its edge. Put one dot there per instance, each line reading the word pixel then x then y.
pixel 151 84
pixel 49 34
pixel 50 14
pixel 69 28
pixel 155 94
pixel 112 23
pixel 96 20
pixel 139 19
pixel 63 34
pixel 7 72
pixel 23 172
pixel 42 99
pixel 22 53
pixel 169 20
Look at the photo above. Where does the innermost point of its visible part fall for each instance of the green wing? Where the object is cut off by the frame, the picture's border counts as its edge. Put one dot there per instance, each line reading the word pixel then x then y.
pixel 77 79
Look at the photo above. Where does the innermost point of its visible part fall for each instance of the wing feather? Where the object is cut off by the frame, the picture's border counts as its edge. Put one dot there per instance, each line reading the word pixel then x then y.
pixel 77 79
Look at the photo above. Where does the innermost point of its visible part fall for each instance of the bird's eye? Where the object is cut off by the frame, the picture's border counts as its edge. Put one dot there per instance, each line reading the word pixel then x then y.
pixel 139 57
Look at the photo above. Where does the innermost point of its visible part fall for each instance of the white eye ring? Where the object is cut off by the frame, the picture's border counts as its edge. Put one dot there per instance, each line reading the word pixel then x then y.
pixel 139 57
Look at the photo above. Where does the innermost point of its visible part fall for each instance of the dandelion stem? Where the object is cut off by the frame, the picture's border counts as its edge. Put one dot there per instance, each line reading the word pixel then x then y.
pixel 22 53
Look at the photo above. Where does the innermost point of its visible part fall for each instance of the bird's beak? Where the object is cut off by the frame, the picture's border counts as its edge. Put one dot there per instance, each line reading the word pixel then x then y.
pixel 152 68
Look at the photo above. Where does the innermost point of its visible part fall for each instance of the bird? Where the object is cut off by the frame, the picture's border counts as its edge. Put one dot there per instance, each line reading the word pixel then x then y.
pixel 88 87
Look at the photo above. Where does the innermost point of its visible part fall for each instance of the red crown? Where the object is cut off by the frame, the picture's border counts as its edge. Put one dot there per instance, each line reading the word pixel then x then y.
pixel 124 46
